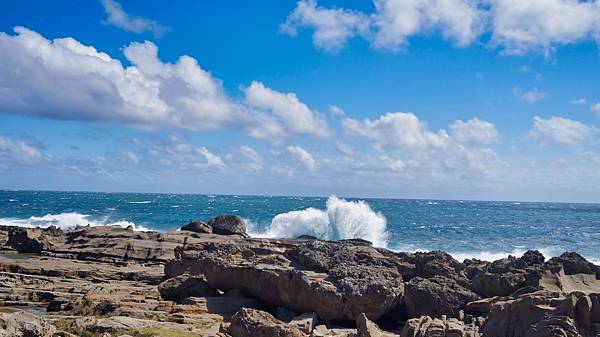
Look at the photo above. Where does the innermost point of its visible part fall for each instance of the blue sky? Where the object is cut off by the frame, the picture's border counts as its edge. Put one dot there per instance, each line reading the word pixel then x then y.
pixel 480 99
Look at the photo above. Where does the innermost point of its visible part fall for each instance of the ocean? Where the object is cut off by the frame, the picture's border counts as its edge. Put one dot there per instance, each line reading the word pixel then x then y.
pixel 486 230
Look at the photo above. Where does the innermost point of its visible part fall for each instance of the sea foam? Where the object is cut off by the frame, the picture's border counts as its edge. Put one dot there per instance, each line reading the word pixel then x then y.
pixel 341 219
pixel 66 220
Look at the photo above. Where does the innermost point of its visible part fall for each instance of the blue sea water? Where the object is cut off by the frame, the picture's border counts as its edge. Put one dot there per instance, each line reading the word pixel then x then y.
pixel 481 229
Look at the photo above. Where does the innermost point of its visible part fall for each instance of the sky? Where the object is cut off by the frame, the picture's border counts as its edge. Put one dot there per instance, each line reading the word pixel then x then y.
pixel 444 99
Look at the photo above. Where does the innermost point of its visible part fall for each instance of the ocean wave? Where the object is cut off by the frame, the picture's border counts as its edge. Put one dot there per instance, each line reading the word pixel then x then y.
pixel 341 219
pixel 66 220
pixel 141 202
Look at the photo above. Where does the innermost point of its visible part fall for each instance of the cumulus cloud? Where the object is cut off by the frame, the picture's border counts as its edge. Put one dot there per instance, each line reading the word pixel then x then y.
pixel 529 96
pixel 520 26
pixel 579 101
pixel 16 151
pixel 474 131
pixel 64 79
pixel 290 112
pixel 405 143
pixel 399 131
pixel 562 131
pixel 332 26
pixel 515 26
pixel 303 157
pixel 116 16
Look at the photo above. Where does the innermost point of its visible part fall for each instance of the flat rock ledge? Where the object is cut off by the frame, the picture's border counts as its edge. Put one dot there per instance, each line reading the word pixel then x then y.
pixel 211 279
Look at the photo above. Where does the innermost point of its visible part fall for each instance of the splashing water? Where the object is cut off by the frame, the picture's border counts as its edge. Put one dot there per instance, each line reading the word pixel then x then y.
pixel 340 220
pixel 65 220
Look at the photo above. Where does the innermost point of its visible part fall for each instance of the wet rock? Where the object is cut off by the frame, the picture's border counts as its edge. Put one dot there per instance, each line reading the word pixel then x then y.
pixel 180 287
pixel 256 323
pixel 197 226
pixel 228 225
pixel 436 296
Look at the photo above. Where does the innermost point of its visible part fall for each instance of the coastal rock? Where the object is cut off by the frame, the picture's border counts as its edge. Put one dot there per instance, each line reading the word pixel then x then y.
pixel 256 323
pixel 436 296
pixel 228 225
pixel 566 273
pixel 197 226
pixel 505 276
pixel 573 263
pixel 426 326
pixel 180 287
pixel 430 264
pixel 366 328
pixel 25 324
pixel 544 314
pixel 325 331
pixel 305 322
pixel 338 280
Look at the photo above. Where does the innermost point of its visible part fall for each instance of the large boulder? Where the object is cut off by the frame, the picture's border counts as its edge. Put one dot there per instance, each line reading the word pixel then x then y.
pixel 435 297
pixel 182 286
pixel 430 264
pixel 338 280
pixel 256 323
pixel 197 226
pixel 228 225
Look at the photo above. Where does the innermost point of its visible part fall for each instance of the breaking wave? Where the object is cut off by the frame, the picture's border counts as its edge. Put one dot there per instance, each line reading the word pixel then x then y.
pixel 66 220
pixel 341 219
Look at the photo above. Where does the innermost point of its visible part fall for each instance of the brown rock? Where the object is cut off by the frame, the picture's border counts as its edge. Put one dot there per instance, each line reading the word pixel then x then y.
pixel 426 326
pixel 180 287
pixel 197 226
pixel 256 323
pixel 228 225
pixel 435 297
pixel 366 328
pixel 338 280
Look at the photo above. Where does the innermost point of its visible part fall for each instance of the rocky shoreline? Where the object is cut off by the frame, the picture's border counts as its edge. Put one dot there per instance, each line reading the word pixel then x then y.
pixel 211 279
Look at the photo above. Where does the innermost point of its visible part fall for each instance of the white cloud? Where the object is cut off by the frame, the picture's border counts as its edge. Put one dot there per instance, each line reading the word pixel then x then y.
pixel 399 131
pixel 515 26
pixel 474 131
pixel 117 17
pixel 520 26
pixel 344 149
pixel 579 101
pixel 64 79
pixel 562 131
pixel 407 145
pixel 332 26
pixel 595 107
pixel 212 160
pixel 303 157
pixel 20 152
pixel 531 96
pixel 293 114
pixel 393 22
pixel 336 111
